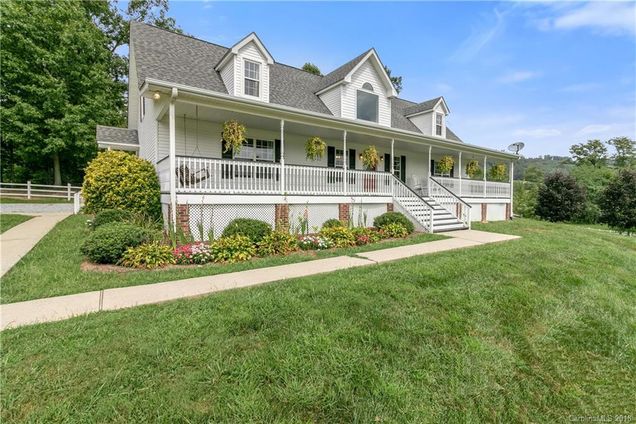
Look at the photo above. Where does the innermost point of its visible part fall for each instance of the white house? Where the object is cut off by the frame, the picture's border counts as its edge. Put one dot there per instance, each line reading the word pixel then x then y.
pixel 182 90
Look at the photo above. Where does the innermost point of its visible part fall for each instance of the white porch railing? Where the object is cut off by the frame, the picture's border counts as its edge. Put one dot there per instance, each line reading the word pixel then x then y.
pixel 30 190
pixel 475 188
pixel 202 175
pixel 450 201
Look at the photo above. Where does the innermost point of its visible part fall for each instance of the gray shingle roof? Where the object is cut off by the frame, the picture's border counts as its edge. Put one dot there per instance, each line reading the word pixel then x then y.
pixel 340 73
pixel 181 59
pixel 450 135
pixel 421 107
pixel 116 135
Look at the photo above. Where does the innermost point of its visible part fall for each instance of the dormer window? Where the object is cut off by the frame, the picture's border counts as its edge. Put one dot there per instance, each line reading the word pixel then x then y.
pixel 367 103
pixel 252 78
pixel 438 124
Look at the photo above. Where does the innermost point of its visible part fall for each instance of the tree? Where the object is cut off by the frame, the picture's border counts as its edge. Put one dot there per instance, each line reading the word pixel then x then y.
pixel 618 202
pixel 311 68
pixel 56 86
pixel 625 156
pixel 593 152
pixel 593 179
pixel 533 174
pixel 396 81
pixel 560 198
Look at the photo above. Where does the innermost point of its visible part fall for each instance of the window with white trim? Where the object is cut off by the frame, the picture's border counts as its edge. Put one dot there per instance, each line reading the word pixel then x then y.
pixel 252 78
pixel 367 105
pixel 439 123
pixel 256 150
pixel 397 167
pixel 339 159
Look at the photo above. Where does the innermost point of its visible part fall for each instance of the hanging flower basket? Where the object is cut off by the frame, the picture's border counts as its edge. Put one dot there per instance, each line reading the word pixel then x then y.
pixel 315 148
pixel 445 165
pixel 498 172
pixel 472 168
pixel 233 135
pixel 370 158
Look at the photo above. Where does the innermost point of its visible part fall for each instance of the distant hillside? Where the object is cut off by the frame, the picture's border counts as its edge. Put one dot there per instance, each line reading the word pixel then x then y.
pixel 545 164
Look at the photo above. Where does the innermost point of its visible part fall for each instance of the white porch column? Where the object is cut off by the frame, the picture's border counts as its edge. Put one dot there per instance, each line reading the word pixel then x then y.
pixel 460 175
pixel 173 158
pixel 282 156
pixel 345 160
pixel 430 172
pixel 485 170
pixel 391 165
pixel 512 185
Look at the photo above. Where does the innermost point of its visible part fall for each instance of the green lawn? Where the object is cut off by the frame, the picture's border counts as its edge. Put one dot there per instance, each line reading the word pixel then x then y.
pixel 538 329
pixel 33 200
pixel 10 220
pixel 52 268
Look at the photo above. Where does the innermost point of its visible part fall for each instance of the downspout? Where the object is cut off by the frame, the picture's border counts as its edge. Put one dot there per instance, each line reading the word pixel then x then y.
pixel 173 158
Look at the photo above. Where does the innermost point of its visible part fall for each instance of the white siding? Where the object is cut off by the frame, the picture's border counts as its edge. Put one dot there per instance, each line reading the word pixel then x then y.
pixel 424 122
pixel 366 73
pixel 251 52
pixel 333 100
pixel 202 138
pixel 147 133
pixel 227 75
pixel 133 92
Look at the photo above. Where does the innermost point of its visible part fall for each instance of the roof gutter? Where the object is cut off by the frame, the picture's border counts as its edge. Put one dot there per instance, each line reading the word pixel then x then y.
pixel 319 119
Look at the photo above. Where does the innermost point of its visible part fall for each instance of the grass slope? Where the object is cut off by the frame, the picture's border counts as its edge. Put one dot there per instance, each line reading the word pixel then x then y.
pixel 52 268
pixel 533 330
pixel 10 220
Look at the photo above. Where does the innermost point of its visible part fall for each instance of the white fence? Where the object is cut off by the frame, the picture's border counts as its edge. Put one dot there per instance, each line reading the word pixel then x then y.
pixel 475 188
pixel 29 190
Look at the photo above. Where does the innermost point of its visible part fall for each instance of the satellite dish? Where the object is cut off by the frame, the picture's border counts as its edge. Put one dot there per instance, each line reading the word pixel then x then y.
pixel 516 147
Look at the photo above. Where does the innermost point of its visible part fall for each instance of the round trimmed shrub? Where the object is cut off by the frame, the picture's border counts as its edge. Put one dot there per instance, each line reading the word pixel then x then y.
pixel 391 218
pixel 253 229
pixel 108 243
pixel 148 255
pixel 331 223
pixel 119 180
pixel 111 215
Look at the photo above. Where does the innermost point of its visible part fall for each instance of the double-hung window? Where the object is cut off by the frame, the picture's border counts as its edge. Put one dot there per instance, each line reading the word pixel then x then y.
pixel 252 78
pixel 438 124
pixel 339 158
pixel 367 103
pixel 397 167
pixel 252 149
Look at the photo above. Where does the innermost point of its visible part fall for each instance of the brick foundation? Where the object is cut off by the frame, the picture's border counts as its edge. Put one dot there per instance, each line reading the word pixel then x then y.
pixel 281 215
pixel 343 212
pixel 484 212
pixel 183 218
pixel 389 207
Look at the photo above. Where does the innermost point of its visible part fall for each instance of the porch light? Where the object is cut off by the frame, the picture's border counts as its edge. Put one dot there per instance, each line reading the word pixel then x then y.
pixel 156 95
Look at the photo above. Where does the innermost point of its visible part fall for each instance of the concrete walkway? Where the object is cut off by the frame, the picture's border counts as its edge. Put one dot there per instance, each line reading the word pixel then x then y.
pixel 36 208
pixel 64 307
pixel 19 240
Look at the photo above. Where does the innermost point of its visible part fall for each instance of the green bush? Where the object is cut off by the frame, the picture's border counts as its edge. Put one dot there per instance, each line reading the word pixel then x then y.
pixel 525 198
pixel 339 236
pixel 118 180
pixel 394 230
pixel 149 255
pixel 594 180
pixel 560 198
pixel 234 248
pixel 366 235
pixel 253 229
pixel 618 202
pixel 107 216
pixel 277 243
pixel 330 223
pixel 108 243
pixel 391 217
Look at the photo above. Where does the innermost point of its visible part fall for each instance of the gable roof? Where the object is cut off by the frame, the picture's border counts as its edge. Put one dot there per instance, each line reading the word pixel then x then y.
pixel 116 136
pixel 425 106
pixel 250 38
pixel 181 59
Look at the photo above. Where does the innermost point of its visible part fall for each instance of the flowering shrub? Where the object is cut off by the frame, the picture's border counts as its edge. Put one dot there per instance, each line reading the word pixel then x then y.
pixel 234 248
pixel 389 217
pixel 339 236
pixel 314 243
pixel 277 243
pixel 365 235
pixel 394 230
pixel 192 253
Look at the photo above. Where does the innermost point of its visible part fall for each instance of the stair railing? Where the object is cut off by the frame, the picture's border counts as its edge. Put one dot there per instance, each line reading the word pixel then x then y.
pixel 449 201
pixel 403 193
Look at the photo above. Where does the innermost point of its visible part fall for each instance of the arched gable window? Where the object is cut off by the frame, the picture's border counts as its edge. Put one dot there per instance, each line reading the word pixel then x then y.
pixel 367 86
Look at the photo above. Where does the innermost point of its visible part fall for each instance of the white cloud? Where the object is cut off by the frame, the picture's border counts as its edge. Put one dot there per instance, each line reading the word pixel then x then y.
pixel 537 132
pixel 480 38
pixel 609 17
pixel 594 129
pixel 518 76
pixel 580 88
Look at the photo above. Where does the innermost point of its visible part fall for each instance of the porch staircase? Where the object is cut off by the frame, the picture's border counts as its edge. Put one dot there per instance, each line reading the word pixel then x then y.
pixel 421 207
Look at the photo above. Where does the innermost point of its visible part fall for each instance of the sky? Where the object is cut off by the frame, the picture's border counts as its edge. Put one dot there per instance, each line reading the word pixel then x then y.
pixel 550 74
